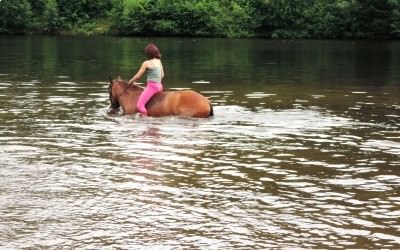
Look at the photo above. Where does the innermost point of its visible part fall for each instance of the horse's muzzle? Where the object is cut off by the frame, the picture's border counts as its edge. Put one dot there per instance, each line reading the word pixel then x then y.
pixel 112 111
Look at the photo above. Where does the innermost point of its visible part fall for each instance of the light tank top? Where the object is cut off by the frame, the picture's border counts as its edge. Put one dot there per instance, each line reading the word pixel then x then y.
pixel 154 73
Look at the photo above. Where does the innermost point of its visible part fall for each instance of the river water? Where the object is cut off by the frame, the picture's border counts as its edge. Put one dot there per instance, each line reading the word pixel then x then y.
pixel 303 150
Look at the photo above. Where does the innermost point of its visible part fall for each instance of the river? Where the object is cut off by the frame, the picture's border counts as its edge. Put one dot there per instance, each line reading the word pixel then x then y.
pixel 303 150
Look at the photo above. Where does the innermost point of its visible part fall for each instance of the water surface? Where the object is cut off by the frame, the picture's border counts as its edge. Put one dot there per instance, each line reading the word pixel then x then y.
pixel 303 151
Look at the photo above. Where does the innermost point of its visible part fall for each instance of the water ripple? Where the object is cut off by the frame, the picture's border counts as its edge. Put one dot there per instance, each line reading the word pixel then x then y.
pixel 247 178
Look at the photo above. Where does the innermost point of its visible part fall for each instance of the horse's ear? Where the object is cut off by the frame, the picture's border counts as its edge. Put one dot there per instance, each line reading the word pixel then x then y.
pixel 110 79
pixel 119 78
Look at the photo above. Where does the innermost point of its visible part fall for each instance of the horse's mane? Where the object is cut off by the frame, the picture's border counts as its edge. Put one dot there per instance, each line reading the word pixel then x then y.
pixel 128 86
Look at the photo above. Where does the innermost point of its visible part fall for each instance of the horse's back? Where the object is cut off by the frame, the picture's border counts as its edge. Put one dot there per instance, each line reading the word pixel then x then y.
pixel 187 103
pixel 193 104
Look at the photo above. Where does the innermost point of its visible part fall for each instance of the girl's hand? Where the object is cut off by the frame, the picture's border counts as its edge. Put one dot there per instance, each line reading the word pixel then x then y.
pixel 131 81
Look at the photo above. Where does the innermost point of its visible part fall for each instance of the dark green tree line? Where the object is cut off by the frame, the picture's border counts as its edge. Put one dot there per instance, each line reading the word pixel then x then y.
pixel 223 18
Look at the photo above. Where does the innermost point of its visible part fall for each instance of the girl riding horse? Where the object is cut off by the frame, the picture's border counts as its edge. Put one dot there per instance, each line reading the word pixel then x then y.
pixel 155 73
pixel 184 103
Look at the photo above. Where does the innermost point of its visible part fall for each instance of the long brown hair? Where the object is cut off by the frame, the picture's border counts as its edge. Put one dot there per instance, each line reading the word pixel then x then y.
pixel 152 51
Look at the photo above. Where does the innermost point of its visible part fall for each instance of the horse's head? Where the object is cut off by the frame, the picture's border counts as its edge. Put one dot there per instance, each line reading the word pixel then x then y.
pixel 114 103
pixel 119 89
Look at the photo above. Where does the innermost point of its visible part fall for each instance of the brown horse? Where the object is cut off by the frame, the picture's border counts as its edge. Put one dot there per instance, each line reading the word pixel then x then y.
pixel 185 103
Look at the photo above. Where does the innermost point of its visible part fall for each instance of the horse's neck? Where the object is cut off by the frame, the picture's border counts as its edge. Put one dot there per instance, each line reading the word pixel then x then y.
pixel 124 87
pixel 129 91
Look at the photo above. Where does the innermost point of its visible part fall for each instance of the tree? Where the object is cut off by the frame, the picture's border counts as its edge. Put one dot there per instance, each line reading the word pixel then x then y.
pixel 395 18
pixel 227 18
pixel 283 18
pixel 374 18
pixel 44 16
pixel 15 16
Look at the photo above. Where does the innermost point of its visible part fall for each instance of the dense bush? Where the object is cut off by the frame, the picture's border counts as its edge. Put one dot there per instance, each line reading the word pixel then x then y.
pixel 329 19
pixel 395 18
pixel 165 17
pixel 44 16
pixel 227 18
pixel 15 16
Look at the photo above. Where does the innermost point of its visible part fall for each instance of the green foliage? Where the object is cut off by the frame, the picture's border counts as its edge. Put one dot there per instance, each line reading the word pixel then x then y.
pixel 44 16
pixel 75 13
pixel 164 17
pixel 373 18
pixel 329 18
pixel 346 24
pixel 15 16
pixel 235 19
pixel 282 18
pixel 227 18
pixel 395 18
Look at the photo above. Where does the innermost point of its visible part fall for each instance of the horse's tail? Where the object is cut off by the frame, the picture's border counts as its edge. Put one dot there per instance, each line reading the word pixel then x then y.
pixel 211 109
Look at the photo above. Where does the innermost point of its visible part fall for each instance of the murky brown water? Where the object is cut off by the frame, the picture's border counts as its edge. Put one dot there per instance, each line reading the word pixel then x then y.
pixel 303 151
